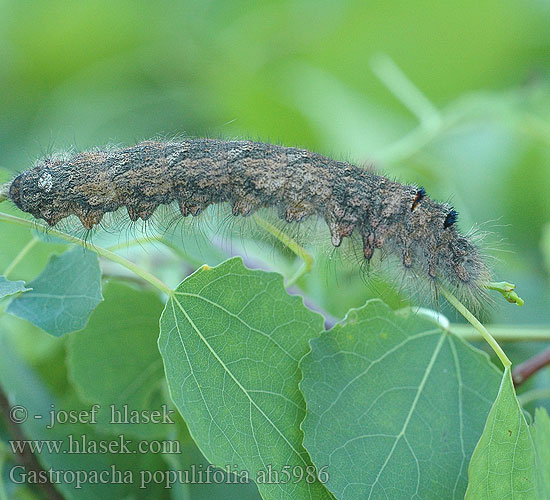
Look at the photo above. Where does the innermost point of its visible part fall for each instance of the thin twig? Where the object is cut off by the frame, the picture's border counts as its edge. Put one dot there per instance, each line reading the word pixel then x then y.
pixel 142 273
pixel 531 366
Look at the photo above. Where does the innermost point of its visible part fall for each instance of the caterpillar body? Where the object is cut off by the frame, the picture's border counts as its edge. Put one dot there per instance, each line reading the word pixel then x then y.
pixel 195 173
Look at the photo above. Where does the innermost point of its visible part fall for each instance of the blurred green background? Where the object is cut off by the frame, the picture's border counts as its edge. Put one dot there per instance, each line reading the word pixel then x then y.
pixel 454 96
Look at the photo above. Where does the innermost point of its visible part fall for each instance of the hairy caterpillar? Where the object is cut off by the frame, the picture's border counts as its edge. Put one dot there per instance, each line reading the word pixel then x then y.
pixel 195 173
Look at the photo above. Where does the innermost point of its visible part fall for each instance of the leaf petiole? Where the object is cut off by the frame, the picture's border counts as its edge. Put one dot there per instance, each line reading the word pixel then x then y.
pixel 142 273
pixel 292 246
pixel 462 309
pixel 19 257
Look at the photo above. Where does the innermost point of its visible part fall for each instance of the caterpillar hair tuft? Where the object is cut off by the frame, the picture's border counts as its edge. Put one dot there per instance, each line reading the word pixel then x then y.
pixel 195 173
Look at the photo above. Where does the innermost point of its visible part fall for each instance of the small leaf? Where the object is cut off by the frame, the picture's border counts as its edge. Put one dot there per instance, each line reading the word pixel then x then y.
pixel 64 295
pixel 115 360
pixel 503 463
pixel 395 406
pixel 8 287
pixel 541 438
pixel 231 340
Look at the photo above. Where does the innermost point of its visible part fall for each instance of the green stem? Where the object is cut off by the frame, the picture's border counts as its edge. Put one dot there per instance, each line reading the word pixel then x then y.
pixel 504 333
pixel 292 246
pixel 533 395
pixel 157 239
pixel 26 249
pixel 461 308
pixel 397 82
pixel 153 280
pixel 302 270
pixel 132 243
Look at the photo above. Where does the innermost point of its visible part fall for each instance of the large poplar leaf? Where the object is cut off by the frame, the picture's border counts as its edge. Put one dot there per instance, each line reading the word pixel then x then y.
pixel 8 287
pixel 115 362
pixel 541 438
pixel 503 463
pixel 231 339
pixel 224 487
pixel 64 295
pixel 395 406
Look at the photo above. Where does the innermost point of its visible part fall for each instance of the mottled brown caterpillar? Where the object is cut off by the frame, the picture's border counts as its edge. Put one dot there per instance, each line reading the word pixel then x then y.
pixel 195 173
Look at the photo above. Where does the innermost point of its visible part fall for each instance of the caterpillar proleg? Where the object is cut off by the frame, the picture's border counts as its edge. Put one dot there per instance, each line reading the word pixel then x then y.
pixel 195 173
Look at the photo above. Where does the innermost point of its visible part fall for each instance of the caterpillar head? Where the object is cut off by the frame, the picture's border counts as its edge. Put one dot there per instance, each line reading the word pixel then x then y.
pixel 56 188
pixel 37 191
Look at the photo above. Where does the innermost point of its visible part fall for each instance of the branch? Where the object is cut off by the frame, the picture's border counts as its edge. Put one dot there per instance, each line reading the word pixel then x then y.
pixel 529 367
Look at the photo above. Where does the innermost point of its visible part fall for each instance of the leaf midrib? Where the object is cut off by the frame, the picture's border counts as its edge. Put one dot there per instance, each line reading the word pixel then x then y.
pixel 411 411
pixel 235 380
pixel 236 316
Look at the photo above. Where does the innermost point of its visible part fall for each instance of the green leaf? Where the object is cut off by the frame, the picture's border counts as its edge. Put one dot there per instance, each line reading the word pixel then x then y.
pixel 503 463
pixel 115 360
pixel 8 287
pixel 540 432
pixel 225 486
pixel 231 340
pixel 64 295
pixel 395 405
